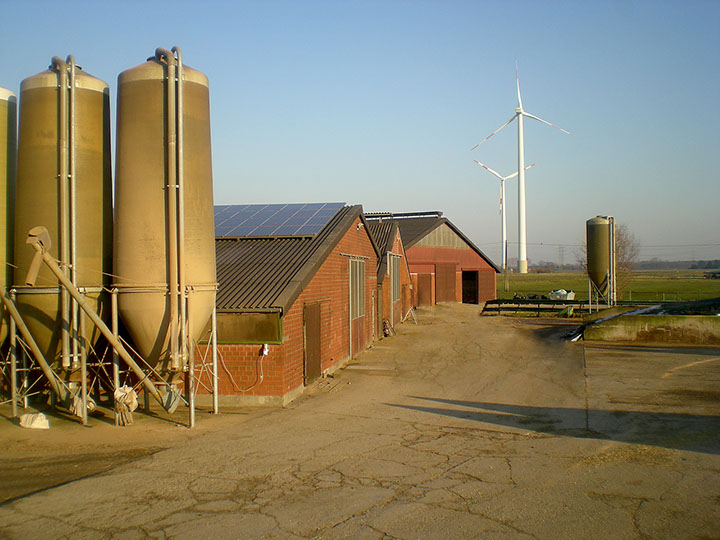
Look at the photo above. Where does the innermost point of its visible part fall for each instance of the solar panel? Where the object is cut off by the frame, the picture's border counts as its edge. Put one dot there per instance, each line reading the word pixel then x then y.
pixel 273 219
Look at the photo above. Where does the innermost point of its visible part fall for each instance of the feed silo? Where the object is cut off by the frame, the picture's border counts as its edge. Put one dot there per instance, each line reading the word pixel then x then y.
pixel 600 242
pixel 64 184
pixel 8 154
pixel 164 252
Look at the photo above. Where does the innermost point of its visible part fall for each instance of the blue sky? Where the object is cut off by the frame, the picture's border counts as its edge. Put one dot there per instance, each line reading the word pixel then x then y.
pixel 379 103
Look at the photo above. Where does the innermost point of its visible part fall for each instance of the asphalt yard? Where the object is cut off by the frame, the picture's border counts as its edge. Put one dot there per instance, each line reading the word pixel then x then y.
pixel 461 426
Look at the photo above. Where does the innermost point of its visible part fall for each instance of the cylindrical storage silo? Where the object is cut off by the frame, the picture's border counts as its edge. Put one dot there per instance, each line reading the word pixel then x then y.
pixel 598 252
pixel 64 183
pixel 8 154
pixel 164 226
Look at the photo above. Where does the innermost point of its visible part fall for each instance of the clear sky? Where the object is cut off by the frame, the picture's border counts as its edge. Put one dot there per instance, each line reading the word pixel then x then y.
pixel 379 102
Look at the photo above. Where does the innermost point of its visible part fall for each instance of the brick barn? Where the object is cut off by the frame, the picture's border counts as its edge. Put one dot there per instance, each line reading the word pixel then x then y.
pixel 445 266
pixel 300 279
pixel 394 294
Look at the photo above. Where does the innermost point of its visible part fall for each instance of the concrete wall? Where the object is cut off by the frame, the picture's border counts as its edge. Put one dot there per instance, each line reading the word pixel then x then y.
pixel 282 369
pixel 657 328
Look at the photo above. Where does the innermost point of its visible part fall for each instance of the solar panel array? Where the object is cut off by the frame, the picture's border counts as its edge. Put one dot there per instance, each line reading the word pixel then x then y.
pixel 273 219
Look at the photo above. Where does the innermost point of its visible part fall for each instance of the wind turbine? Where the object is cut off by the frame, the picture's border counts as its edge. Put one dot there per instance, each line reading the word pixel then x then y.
pixel 522 227
pixel 503 219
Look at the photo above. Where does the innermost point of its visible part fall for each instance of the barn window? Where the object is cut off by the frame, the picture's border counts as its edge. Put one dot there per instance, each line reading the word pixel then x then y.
pixel 357 289
pixel 395 277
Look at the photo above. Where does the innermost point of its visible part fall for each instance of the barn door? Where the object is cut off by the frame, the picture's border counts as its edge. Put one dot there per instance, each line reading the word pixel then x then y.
pixel 311 324
pixel 445 283
pixel 470 286
pixel 424 293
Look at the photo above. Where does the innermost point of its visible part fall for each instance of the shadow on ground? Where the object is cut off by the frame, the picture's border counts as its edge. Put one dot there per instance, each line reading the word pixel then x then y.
pixel 696 433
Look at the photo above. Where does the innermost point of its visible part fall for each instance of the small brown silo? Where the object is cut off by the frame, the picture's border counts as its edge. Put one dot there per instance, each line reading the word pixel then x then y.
pixel 164 255
pixel 64 184
pixel 8 155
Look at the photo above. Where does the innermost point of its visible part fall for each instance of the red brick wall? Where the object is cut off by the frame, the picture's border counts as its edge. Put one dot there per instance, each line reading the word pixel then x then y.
pixel 397 313
pixel 423 258
pixel 283 367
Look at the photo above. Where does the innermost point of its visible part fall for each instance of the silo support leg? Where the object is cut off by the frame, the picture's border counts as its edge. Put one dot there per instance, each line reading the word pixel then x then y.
pixel 13 367
pixel 34 349
pixel 35 238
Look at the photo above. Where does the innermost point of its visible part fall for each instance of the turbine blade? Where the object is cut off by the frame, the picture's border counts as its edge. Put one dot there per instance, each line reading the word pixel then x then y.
pixel 513 175
pixel 494 132
pixel 517 81
pixel 545 122
pixel 489 169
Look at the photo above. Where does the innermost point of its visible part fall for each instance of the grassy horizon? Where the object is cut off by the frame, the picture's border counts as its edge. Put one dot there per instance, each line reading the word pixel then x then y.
pixel 645 286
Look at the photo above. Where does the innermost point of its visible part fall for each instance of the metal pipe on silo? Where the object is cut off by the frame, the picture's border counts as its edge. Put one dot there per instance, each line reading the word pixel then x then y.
pixel 61 66
pixel 181 202
pixel 172 201
pixel 74 326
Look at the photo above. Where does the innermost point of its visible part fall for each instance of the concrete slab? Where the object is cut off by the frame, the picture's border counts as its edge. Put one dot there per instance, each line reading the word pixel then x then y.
pixel 484 427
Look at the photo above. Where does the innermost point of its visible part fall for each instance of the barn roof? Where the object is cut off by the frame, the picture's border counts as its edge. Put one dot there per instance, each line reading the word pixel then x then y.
pixel 384 233
pixel 269 273
pixel 414 226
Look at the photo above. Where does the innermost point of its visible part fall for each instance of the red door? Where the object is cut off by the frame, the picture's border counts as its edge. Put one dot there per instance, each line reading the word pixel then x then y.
pixel 445 283
pixel 424 293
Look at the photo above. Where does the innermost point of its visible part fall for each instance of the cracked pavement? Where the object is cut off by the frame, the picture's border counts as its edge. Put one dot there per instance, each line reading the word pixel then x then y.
pixel 462 426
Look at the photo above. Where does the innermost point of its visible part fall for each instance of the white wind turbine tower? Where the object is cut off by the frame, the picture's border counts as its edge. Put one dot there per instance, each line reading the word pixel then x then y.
pixel 522 228
pixel 503 219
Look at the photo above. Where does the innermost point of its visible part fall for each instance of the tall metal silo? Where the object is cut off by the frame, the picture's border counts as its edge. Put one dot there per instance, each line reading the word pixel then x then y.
pixel 8 155
pixel 164 255
pixel 63 183
pixel 600 240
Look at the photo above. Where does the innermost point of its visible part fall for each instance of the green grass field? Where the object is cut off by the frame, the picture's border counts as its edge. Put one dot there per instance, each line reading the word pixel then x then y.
pixel 646 285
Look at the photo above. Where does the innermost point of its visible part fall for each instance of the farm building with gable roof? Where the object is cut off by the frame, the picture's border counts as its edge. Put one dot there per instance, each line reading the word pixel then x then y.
pixel 445 266
pixel 299 279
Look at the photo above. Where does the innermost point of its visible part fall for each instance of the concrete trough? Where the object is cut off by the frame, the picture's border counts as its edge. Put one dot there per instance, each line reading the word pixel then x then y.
pixel 697 329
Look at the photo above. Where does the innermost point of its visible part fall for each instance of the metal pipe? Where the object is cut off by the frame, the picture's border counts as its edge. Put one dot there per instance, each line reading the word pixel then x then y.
pixel 27 336
pixel 13 298
pixel 116 333
pixel 191 380
pixel 73 208
pixel 171 152
pixel 216 408
pixel 83 372
pixel 181 203
pixel 115 357
pixel 61 66
pixel 13 367
pixel 97 321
